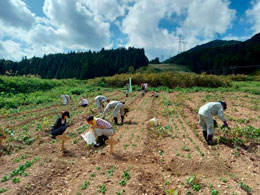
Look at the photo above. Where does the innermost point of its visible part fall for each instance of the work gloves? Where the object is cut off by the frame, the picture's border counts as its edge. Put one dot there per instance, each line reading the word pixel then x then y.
pixel 226 124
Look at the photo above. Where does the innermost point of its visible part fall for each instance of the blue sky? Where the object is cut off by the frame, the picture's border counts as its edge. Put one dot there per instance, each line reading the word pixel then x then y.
pixel 37 27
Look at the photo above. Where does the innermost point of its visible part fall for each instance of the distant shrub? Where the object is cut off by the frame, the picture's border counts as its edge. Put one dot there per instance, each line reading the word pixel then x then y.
pixel 15 85
pixel 167 79
pixel 77 91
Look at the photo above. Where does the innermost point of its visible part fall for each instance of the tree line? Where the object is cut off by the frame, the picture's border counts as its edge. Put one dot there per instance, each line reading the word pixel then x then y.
pixel 222 57
pixel 79 65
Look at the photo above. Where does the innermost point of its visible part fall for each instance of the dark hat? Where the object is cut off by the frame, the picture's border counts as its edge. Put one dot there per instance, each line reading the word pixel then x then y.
pixel 65 113
pixel 224 104
pixel 90 118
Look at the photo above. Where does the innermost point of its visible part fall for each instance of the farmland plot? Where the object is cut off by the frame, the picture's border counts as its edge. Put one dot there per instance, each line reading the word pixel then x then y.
pixel 171 158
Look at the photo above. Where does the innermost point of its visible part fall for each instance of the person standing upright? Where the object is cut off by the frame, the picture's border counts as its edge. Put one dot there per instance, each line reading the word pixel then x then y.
pixel 126 90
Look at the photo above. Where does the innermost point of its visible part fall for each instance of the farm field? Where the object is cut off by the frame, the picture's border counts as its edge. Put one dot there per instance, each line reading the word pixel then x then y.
pixel 171 158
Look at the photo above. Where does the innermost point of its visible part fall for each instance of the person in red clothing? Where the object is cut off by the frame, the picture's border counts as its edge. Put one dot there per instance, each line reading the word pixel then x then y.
pixel 102 129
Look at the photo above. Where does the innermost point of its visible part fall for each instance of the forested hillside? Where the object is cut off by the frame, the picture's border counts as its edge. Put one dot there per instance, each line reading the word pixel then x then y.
pixel 222 57
pixel 81 65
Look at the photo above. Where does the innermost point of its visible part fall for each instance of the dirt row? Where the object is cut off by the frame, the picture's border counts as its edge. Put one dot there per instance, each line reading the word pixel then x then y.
pixel 158 160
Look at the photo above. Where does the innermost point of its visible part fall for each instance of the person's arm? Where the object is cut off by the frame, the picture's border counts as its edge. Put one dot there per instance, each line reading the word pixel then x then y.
pixel 221 114
pixel 57 124
pixel 105 111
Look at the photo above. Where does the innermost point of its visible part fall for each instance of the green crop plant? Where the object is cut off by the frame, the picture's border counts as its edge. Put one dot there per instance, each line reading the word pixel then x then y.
pixel 85 185
pixel 16 180
pixel 214 192
pixel 126 145
pixel 20 170
pixel 125 178
pixel 223 180
pixel 194 183
pixel 171 192
pixel 121 192
pixel 201 153
pixel 244 187
pixel 111 171
pixel 102 188
pixel 2 190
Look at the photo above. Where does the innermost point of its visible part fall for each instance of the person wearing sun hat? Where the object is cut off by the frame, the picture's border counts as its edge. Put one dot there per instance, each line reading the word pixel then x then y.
pixel 206 122
pixel 60 126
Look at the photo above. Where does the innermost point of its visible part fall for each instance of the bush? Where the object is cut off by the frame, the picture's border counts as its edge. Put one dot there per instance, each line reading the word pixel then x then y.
pixel 167 79
pixel 77 91
pixel 15 85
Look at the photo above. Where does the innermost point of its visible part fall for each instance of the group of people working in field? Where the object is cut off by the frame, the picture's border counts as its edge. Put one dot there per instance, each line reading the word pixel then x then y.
pixel 101 127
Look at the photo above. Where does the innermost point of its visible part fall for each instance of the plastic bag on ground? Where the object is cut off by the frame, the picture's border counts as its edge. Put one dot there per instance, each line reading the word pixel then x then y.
pixel 89 137
pixel 153 121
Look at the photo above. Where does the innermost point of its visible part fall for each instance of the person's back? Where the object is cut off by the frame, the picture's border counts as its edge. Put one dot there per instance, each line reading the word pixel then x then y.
pixel 112 104
pixel 211 109
pixel 100 97
pixel 64 99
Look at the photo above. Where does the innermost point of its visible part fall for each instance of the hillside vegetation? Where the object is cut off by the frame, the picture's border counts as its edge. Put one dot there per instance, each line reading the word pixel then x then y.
pixel 222 57
pixel 81 65
pixel 153 68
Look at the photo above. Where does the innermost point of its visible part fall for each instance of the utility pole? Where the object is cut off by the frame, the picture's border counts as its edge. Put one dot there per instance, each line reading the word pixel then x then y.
pixel 180 45
pixel 233 69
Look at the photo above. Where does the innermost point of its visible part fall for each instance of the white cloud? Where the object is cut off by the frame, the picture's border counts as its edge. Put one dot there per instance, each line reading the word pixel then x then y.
pixel 67 25
pixel 86 24
pixel 203 18
pixel 254 15
pixel 15 13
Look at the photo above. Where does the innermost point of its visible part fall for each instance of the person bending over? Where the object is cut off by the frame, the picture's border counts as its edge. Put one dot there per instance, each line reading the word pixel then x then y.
pixel 206 113
pixel 102 129
pixel 60 126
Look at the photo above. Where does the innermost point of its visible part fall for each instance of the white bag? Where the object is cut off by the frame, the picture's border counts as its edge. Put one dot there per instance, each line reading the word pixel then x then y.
pixel 89 137
pixel 153 121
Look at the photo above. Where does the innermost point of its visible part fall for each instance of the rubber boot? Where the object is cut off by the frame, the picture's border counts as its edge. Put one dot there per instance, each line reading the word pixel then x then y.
pixel 105 138
pixel 115 119
pixel 205 135
pixel 100 142
pixel 122 120
pixel 210 141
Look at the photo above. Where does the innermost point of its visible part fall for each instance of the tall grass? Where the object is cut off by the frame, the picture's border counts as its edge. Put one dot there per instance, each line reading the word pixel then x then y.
pixel 167 79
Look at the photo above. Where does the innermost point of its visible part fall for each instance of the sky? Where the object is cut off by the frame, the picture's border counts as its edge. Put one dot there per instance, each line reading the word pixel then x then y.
pixel 162 27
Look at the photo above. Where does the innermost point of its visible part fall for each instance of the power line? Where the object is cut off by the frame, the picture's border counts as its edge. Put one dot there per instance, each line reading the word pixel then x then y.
pixel 233 68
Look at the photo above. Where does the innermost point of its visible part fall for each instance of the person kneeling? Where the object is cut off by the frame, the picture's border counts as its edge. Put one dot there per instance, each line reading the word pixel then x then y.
pixel 102 129
pixel 60 126
pixel 83 102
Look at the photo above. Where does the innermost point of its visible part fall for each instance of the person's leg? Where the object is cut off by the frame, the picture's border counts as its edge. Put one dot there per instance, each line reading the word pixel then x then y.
pixel 108 132
pixel 210 130
pixel 98 105
pixel 100 140
pixel 203 126
pixel 115 114
pixel 58 131
pixel 122 115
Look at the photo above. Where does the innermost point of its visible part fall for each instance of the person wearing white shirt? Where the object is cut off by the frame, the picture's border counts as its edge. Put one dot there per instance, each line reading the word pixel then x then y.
pixel 84 102
pixel 206 113
pixel 118 106
pixel 100 100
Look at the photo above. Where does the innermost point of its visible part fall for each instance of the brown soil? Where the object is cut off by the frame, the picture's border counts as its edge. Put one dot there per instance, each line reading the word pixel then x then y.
pixel 157 158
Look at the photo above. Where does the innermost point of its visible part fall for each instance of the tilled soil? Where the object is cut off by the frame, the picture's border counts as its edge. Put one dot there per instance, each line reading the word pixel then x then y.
pixel 158 160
